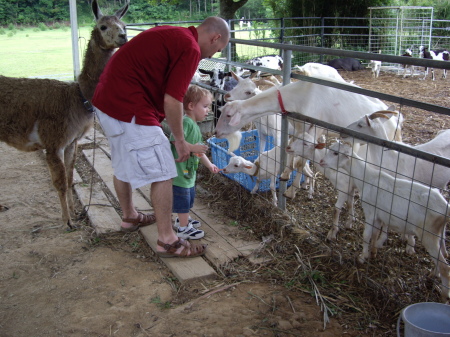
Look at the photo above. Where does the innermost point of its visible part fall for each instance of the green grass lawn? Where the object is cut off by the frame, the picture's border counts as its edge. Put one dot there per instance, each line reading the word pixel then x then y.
pixel 35 53
pixel 30 53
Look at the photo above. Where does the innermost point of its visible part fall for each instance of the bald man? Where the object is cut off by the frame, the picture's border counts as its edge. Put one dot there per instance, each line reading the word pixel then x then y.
pixel 144 83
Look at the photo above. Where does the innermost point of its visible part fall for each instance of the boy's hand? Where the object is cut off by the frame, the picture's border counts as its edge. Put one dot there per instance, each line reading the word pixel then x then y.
pixel 199 148
pixel 214 169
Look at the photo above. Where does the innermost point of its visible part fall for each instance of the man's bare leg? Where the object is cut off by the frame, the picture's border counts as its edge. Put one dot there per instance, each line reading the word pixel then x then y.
pixel 162 199
pixel 124 194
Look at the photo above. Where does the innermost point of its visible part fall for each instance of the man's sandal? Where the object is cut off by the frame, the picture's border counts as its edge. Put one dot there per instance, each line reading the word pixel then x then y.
pixel 141 221
pixel 171 249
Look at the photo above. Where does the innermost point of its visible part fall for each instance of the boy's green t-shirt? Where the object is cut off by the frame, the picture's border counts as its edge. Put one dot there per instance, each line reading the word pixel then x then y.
pixel 187 171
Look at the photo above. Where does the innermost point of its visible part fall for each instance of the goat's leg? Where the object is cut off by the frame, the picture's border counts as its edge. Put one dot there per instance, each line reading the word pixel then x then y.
pixel 273 190
pixel 332 234
pixel 410 243
pixel 292 190
pixel 70 154
pixel 58 172
pixel 286 174
pixel 351 208
pixel 379 236
pixel 255 188
pixel 431 243
pixel 367 234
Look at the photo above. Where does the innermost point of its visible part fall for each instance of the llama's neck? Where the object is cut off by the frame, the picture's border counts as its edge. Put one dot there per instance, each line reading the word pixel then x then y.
pixel 94 62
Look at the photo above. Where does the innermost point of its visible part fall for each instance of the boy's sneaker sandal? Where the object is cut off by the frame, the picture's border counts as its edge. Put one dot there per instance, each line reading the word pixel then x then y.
pixel 190 233
pixel 194 223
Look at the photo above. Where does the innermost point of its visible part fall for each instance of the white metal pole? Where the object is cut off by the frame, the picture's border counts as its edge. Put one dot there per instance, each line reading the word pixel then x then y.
pixel 74 31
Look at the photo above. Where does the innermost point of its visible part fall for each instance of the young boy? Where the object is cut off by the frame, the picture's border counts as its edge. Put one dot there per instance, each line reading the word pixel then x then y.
pixel 196 103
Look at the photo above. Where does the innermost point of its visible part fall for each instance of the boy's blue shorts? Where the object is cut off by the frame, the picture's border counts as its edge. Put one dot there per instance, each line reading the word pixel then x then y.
pixel 183 199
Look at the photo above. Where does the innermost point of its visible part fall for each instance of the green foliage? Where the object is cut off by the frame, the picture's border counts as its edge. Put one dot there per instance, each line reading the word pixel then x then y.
pixel 42 26
pixel 2 31
pixel 11 27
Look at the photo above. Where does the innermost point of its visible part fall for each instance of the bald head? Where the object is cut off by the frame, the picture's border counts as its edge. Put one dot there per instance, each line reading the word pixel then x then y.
pixel 213 36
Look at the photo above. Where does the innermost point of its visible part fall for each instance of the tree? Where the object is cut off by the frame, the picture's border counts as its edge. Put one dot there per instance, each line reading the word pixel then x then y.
pixel 228 8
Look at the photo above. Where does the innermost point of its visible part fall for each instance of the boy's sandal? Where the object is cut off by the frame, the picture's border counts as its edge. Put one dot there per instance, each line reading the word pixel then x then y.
pixel 141 221
pixel 171 249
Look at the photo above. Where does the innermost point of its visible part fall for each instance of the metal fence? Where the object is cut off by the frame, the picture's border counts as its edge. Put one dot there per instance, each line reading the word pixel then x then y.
pixel 346 45
pixel 391 35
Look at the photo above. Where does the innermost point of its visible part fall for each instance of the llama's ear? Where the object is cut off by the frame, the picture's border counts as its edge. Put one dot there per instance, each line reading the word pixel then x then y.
pixel 121 12
pixel 96 10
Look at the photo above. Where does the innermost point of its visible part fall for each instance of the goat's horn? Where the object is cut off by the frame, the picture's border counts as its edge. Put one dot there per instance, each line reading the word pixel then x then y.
pixel 378 114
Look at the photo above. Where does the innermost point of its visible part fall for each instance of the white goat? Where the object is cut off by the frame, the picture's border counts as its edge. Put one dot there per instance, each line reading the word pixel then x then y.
pixel 318 69
pixel 48 114
pixel 332 105
pixel 376 67
pixel 306 147
pixel 266 166
pixel 401 205
pixel 401 165
pixel 271 124
pixel 268 125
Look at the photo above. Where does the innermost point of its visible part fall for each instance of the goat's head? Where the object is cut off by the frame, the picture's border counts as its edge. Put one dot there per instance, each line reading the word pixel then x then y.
pixel 238 164
pixel 244 89
pixel 337 155
pixel 110 31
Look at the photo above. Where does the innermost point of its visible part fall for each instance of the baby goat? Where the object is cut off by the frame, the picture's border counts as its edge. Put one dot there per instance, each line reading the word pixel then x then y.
pixel 404 206
pixel 266 166
pixel 307 148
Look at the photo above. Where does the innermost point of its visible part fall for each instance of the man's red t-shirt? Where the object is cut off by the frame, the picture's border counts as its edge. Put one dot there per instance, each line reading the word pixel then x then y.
pixel 157 61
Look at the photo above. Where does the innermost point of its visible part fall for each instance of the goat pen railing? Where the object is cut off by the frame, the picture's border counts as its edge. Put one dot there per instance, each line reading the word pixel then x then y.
pixel 344 33
pixel 318 53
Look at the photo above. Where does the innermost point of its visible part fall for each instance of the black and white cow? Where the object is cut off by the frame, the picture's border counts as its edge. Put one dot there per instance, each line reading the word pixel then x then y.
pixel 346 63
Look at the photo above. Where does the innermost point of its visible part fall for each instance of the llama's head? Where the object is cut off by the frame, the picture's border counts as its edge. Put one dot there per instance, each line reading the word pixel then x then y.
pixel 110 31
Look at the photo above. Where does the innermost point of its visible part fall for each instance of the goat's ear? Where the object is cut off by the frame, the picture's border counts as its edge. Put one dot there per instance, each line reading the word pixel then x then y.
pixel 266 82
pixel 121 12
pixel 391 108
pixel 206 72
pixel 236 77
pixel 235 119
pixel 320 146
pixel 96 10
pixel 248 167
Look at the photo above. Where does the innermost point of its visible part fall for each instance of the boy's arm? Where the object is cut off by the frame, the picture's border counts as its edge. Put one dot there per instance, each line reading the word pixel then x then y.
pixel 210 166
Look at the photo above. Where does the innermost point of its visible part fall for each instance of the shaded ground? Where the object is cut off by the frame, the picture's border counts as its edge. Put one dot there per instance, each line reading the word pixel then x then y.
pixel 59 283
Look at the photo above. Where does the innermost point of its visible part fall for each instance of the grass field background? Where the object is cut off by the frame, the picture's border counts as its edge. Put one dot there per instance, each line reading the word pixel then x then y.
pixel 30 52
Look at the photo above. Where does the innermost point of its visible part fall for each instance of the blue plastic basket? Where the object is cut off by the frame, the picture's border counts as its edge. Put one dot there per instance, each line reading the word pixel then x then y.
pixel 248 149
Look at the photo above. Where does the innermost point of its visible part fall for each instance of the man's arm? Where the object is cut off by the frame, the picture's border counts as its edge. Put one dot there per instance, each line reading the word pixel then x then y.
pixel 174 117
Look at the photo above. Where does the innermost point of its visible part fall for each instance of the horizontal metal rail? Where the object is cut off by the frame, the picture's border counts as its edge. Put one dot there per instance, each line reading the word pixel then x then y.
pixel 385 143
pixel 347 53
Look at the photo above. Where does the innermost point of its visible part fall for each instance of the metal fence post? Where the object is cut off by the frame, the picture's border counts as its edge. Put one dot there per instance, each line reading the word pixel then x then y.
pixel 287 66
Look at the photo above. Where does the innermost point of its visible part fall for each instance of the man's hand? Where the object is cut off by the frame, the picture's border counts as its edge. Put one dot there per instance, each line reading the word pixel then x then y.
pixel 182 148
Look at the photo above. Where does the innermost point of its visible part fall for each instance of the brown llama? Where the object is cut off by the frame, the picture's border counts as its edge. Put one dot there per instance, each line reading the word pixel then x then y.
pixel 51 115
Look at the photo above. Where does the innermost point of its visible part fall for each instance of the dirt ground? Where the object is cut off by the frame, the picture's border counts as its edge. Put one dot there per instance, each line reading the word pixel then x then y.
pixel 60 283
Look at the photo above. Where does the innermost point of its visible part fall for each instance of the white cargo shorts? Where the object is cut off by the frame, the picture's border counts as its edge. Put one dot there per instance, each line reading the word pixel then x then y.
pixel 140 154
